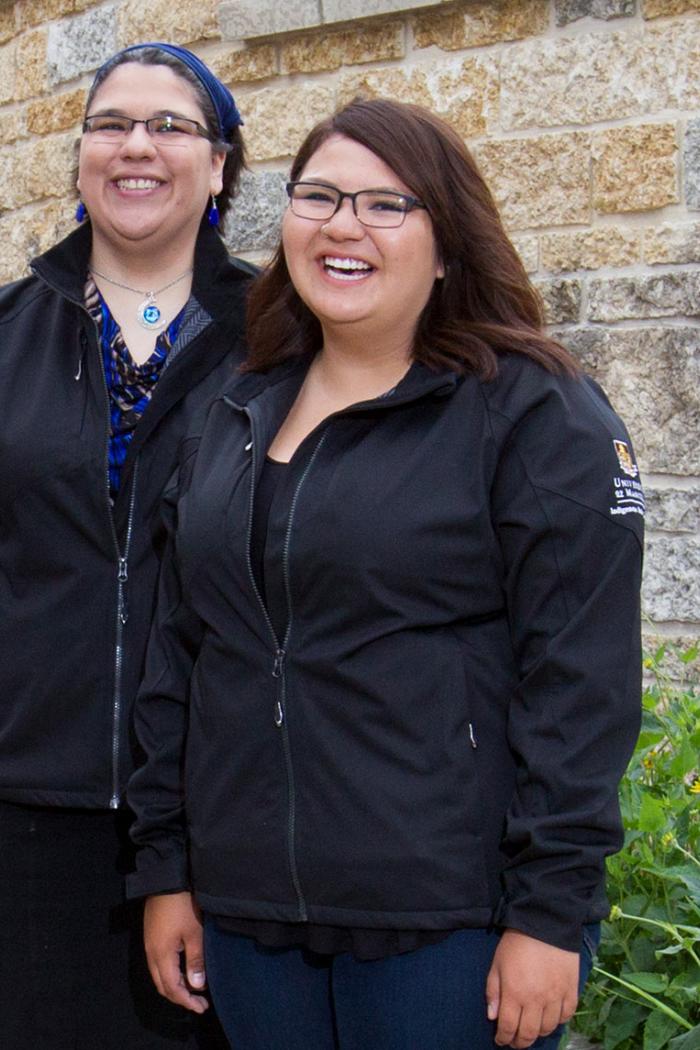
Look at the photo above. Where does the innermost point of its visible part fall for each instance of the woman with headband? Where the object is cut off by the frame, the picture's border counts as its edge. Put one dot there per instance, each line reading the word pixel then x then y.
pixel 110 350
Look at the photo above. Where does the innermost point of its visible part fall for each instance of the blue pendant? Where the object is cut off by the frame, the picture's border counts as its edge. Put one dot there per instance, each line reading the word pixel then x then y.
pixel 149 315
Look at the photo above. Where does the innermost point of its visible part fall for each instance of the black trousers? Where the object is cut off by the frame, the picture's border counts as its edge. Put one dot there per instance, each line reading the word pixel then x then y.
pixel 73 973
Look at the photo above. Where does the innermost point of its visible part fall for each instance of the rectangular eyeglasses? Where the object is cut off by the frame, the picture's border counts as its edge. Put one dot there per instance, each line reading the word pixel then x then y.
pixel 166 129
pixel 320 201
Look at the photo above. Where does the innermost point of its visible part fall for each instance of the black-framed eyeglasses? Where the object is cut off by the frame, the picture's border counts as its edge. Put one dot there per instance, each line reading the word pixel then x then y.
pixel 166 129
pixel 320 201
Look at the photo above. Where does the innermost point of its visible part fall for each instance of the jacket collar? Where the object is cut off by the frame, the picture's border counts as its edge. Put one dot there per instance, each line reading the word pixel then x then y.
pixel 64 267
pixel 418 382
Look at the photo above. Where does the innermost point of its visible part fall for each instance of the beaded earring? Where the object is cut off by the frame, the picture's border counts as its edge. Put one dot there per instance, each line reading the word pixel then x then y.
pixel 80 212
pixel 213 216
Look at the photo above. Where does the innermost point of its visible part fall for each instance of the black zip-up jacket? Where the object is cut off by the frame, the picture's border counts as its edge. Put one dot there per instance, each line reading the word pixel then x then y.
pixel 77 580
pixel 437 740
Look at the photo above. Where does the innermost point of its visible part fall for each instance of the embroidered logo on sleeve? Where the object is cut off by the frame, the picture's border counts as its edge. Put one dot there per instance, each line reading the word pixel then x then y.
pixel 628 492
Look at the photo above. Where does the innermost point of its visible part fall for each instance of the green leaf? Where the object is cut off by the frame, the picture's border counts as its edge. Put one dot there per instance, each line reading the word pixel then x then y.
pixel 652 815
pixel 689 1041
pixel 689 876
pixel 684 761
pixel 649 737
pixel 673 949
pixel 650 982
pixel 622 1022
pixel 658 1030
pixel 690 654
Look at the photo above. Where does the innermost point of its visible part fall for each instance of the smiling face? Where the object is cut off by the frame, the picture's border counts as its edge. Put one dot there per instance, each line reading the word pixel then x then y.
pixel 138 194
pixel 367 282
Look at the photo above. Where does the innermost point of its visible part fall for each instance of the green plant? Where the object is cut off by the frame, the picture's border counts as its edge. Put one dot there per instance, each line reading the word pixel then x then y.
pixel 644 991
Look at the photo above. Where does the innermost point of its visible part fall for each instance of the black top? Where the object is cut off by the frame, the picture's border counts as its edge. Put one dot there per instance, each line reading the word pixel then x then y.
pixel 325 940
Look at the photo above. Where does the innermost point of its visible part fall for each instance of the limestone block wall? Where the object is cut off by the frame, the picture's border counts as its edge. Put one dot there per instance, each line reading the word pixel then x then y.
pixel 583 115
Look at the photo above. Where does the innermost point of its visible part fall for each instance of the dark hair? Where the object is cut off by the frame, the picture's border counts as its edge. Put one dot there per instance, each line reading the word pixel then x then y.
pixel 231 144
pixel 484 306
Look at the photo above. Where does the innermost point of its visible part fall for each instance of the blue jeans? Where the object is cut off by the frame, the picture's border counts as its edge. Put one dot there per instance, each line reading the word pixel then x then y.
pixel 292 999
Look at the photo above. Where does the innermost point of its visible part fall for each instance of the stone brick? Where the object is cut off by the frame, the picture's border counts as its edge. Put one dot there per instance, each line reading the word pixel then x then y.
pixel 164 20
pixel 659 8
pixel 245 64
pixel 591 77
pixel 673 509
pixel 37 230
pixel 562 300
pixel 673 294
pixel 691 165
pixel 590 249
pixel 463 92
pixel 670 590
pixel 243 19
pixel 540 181
pixel 571 10
pixel 57 113
pixel 318 52
pixel 7 22
pixel 30 70
pixel 7 72
pixel 13 178
pixel 527 247
pixel 277 119
pixel 33 171
pixel 674 641
pixel 652 376
pixel 49 166
pixel 634 168
pixel 81 44
pixel 13 126
pixel 345 10
pixel 37 12
pixel 672 244
pixel 479 24
pixel 254 223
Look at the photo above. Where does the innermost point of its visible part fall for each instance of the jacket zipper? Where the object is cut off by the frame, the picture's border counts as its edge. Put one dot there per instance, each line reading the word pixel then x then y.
pixel 278 666
pixel 122 617
pixel 122 609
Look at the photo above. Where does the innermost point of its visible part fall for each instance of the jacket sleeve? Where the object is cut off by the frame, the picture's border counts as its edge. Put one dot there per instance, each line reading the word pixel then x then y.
pixel 156 791
pixel 567 506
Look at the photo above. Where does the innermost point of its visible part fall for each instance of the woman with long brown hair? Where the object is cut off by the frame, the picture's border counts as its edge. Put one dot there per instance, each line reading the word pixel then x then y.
pixel 395 676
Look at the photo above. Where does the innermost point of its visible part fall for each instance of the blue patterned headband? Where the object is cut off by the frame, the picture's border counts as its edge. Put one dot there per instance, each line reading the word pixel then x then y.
pixel 221 97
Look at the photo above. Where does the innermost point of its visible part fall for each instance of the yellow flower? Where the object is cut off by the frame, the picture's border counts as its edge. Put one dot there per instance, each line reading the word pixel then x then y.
pixel 668 840
pixel 648 760
pixel 615 913
pixel 695 786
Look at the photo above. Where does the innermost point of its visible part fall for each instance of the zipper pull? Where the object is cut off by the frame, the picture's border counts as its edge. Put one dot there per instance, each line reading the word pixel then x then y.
pixel 279 715
pixel 123 574
pixel 472 738
pixel 279 663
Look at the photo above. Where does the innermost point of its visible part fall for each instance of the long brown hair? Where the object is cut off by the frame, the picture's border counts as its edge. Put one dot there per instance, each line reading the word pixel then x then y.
pixel 484 306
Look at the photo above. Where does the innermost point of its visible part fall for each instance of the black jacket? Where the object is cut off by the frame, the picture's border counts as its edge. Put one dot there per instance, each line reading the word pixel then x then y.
pixel 437 742
pixel 77 581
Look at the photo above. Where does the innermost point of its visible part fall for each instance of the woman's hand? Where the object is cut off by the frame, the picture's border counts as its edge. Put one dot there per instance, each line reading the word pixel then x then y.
pixel 531 988
pixel 172 926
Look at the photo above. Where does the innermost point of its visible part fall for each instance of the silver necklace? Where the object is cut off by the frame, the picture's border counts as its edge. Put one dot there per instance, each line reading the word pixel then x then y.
pixel 148 313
